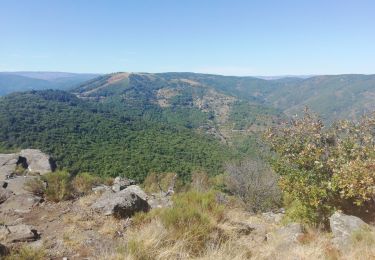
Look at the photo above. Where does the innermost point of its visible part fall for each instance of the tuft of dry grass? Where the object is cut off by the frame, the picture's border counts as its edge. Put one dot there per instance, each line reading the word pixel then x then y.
pixel 26 253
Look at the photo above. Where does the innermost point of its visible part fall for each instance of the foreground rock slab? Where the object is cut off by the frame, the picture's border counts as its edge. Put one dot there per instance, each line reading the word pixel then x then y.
pixel 122 204
pixel 343 227
pixel 18 233
pixel 21 203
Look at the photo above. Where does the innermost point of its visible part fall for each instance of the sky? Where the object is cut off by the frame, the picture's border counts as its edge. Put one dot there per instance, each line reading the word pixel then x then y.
pixel 229 37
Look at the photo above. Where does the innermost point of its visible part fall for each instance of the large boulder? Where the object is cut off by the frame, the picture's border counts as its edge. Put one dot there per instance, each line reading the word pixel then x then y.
pixel 122 204
pixel 18 233
pixel 37 161
pixel 343 227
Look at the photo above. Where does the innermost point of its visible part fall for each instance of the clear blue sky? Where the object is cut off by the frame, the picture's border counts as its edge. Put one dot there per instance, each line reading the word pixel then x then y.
pixel 226 37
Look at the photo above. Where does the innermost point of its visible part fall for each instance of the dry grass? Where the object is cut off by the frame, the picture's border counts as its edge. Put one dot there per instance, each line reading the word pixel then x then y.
pixel 152 238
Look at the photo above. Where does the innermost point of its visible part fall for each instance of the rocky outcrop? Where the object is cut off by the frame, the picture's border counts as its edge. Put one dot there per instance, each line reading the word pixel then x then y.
pixel 121 183
pixel 122 204
pixel 33 160
pixel 18 233
pixel 37 161
pixel 273 217
pixel 343 226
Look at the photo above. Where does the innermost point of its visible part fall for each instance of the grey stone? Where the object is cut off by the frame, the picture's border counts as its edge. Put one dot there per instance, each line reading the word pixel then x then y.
pixel 286 236
pixel 8 163
pixel 159 200
pixel 121 183
pixel 273 217
pixel 5 194
pixel 37 161
pixel 22 203
pixel 18 233
pixel 100 189
pixel 122 204
pixel 343 226
pixel 33 159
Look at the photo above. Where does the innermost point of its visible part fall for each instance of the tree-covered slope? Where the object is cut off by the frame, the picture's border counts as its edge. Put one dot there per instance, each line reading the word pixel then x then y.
pixel 332 96
pixel 89 136
pixel 190 99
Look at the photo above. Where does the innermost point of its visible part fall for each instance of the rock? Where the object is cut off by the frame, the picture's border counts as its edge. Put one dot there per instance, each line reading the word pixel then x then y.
pixel 100 189
pixel 137 190
pixel 32 159
pixel 8 163
pixel 21 203
pixel 286 236
pixel 3 250
pixel 18 233
pixel 122 204
pixel 5 194
pixel 17 184
pixel 37 161
pixel 273 217
pixel 120 183
pixel 158 200
pixel 343 226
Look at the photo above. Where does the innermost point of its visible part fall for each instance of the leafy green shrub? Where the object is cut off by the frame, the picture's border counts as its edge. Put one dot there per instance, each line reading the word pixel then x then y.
pixel 58 186
pixel 325 168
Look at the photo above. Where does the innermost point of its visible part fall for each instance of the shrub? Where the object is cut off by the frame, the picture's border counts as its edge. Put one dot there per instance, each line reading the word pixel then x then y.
pixel 200 182
pixel 58 186
pixel 254 183
pixel 192 220
pixel 160 182
pixel 83 182
pixel 325 168
pixel 35 186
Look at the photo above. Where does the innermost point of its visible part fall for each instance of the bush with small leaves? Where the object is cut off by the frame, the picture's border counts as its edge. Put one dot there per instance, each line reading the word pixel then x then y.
pixel 326 168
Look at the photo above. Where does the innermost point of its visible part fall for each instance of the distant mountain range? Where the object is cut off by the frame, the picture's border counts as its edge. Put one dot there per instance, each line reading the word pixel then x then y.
pixel 332 96
pixel 22 81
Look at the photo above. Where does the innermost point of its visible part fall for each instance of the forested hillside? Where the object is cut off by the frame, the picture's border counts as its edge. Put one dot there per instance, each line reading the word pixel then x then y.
pixel 136 123
pixel 86 136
